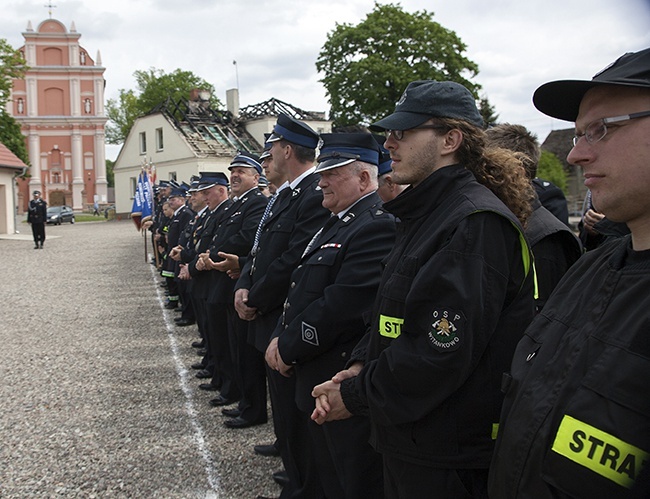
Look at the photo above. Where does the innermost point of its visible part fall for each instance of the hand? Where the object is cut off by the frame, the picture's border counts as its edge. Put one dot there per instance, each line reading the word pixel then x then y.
pixel 229 263
pixel 590 218
pixel 351 372
pixel 175 253
pixel 274 360
pixel 208 264
pixel 329 404
pixel 234 274
pixel 200 263
pixel 245 312
pixel 183 273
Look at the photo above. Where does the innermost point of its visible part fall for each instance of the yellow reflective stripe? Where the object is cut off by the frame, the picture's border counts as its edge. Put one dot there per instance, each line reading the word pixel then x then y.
pixel 525 251
pixel 495 430
pixel 598 451
pixel 391 327
pixel 535 281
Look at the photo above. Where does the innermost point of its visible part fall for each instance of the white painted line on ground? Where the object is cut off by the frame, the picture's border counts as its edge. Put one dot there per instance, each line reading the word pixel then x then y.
pixel 199 434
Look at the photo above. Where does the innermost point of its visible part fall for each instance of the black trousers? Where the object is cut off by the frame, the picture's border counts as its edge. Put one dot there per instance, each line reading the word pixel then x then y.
pixel 219 349
pixel 293 439
pixel 250 373
pixel 38 231
pixel 404 480
pixel 347 464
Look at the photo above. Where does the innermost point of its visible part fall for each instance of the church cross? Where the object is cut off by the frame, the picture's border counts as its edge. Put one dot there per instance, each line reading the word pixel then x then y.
pixel 50 7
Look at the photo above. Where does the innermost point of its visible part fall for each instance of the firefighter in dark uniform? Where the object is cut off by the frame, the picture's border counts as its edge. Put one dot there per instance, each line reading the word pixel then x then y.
pixel 262 287
pixel 37 216
pixel 576 419
pixel 330 292
pixel 181 217
pixel 454 299
pixel 554 246
pixel 185 245
pixel 214 187
pixel 233 234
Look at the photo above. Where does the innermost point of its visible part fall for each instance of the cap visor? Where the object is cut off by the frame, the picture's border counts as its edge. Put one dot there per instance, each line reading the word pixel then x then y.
pixel 329 164
pixel 561 99
pixel 400 120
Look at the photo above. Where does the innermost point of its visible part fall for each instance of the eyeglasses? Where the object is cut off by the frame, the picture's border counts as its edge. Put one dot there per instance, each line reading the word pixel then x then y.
pixel 596 130
pixel 399 134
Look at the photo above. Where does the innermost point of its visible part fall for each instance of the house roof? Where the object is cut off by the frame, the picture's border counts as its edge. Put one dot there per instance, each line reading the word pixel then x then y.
pixel 273 107
pixel 210 132
pixel 559 142
pixel 9 159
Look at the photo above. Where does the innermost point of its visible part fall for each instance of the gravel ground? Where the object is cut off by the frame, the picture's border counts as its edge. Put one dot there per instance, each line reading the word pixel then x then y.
pixel 97 397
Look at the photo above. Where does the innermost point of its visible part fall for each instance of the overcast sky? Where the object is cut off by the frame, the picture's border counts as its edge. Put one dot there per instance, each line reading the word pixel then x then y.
pixel 517 44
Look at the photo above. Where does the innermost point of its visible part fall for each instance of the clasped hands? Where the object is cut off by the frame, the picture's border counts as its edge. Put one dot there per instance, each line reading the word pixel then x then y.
pixel 329 404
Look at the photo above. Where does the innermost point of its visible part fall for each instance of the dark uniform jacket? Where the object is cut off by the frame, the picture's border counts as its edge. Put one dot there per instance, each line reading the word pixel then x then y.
pixel 194 231
pixel 295 218
pixel 576 420
pixel 454 300
pixel 554 247
pixel 37 212
pixel 201 284
pixel 330 291
pixel 234 234
pixel 177 225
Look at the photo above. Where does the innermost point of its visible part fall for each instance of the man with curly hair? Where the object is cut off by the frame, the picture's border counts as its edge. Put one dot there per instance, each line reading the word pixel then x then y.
pixel 455 297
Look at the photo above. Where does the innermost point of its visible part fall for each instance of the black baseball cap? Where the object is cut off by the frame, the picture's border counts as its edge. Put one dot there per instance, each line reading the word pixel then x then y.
pixel 426 99
pixel 561 99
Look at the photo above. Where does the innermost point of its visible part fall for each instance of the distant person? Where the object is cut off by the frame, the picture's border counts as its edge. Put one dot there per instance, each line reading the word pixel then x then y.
pixel 37 216
pixel 96 209
pixel 388 188
pixel 555 247
pixel 595 229
pixel 552 198
pixel 576 417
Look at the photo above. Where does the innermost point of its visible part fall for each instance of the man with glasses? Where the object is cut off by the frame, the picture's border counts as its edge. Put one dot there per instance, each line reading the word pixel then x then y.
pixel 576 420
pixel 455 297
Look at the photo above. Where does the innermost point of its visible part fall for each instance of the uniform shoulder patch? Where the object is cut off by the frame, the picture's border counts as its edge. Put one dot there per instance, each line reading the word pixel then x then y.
pixel 310 334
pixel 447 329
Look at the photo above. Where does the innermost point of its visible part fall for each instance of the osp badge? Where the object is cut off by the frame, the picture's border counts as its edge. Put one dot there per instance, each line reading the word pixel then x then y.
pixel 446 329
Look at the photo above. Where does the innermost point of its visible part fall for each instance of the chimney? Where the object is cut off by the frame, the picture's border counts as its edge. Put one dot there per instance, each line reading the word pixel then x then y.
pixel 232 101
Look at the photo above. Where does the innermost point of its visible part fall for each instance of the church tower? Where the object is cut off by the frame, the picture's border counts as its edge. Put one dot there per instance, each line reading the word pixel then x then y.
pixel 60 108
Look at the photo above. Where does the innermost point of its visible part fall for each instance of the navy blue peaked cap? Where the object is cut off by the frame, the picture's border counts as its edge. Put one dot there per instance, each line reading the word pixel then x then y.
pixel 246 160
pixel 294 131
pixel 340 149
pixel 210 179
pixel 267 147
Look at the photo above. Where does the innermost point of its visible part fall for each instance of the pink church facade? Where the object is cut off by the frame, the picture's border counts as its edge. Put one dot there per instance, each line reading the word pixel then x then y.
pixel 60 107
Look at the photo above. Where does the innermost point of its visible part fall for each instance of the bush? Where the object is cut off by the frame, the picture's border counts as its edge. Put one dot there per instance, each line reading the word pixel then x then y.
pixel 550 168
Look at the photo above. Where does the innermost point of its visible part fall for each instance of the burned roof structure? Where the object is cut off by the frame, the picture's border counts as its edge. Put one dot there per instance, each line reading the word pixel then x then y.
pixel 210 132
pixel 273 107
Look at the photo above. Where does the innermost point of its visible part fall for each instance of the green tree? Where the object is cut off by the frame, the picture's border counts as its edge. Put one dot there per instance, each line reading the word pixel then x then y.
pixel 550 168
pixel 11 136
pixel 487 112
pixel 153 88
pixel 110 174
pixel 12 65
pixel 367 67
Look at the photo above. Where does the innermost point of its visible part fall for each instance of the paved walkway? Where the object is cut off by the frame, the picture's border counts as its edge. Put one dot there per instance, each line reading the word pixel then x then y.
pixel 97 398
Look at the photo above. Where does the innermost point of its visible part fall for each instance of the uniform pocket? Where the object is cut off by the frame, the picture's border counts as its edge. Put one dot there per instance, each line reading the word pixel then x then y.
pixel 603 438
